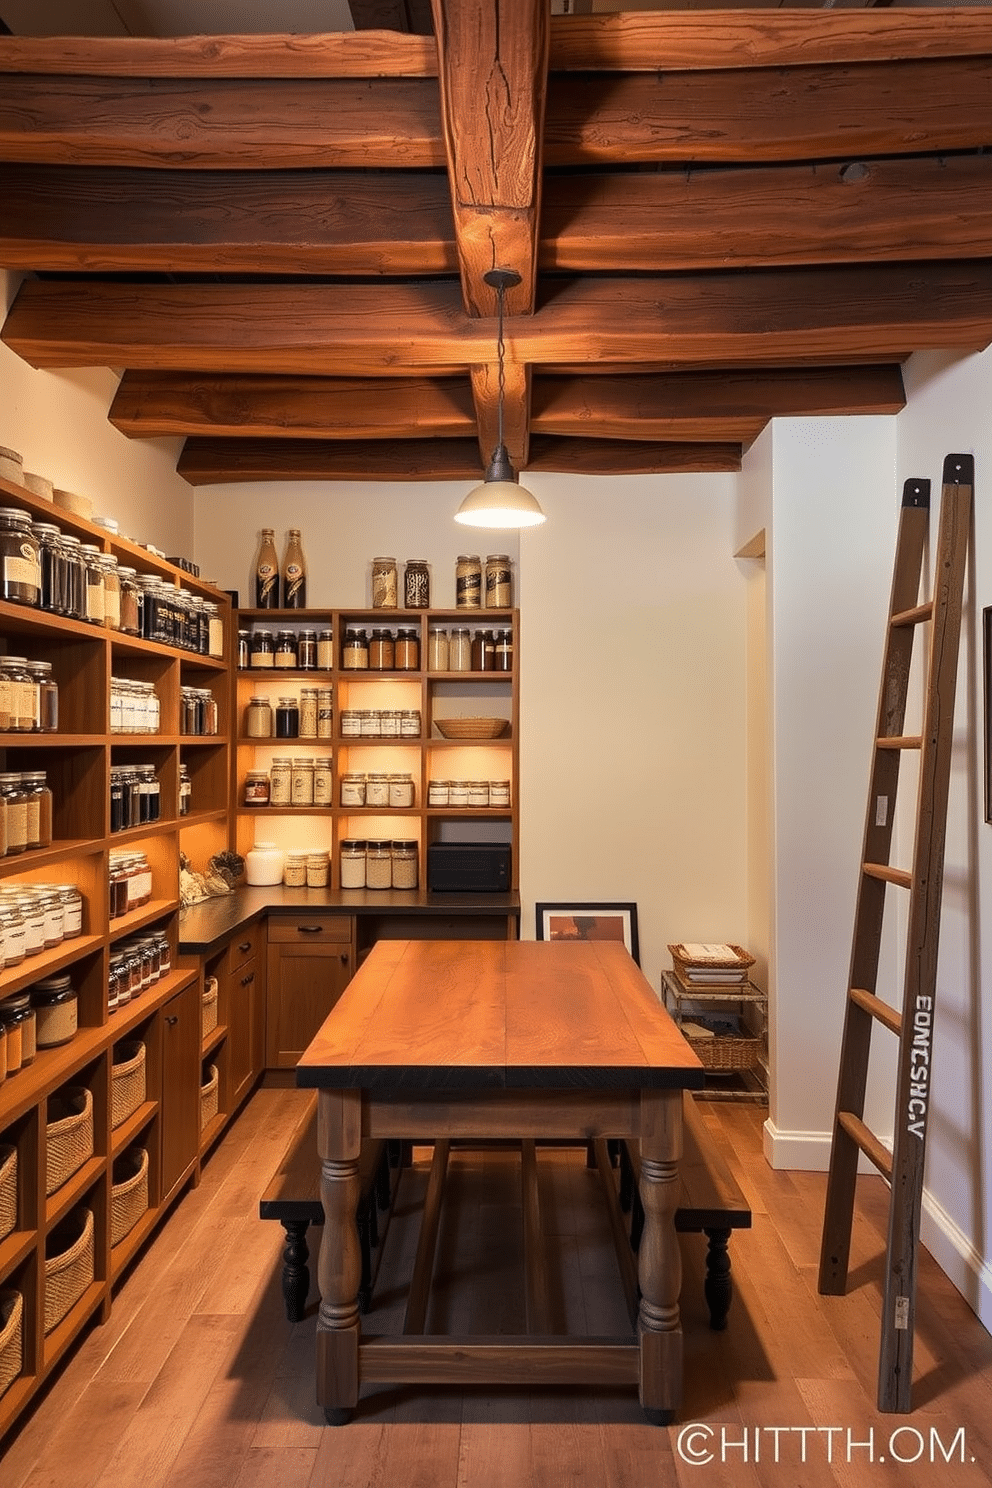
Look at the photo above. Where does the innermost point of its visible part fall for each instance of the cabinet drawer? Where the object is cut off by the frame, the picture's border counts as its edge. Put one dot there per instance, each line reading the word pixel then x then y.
pixel 244 946
pixel 308 928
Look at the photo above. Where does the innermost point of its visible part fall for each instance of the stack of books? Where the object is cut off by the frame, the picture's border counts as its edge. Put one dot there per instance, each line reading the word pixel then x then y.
pixel 699 964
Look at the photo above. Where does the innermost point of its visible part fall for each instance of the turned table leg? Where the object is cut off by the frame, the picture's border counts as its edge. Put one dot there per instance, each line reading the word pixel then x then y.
pixel 295 1271
pixel 718 1286
pixel 659 1261
pixel 339 1266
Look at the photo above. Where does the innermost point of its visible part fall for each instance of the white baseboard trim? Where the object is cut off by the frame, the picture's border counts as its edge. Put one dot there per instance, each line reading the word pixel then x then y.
pixel 809 1152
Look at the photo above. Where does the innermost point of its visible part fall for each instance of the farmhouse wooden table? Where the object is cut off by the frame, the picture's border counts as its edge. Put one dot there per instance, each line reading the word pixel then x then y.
pixel 435 1040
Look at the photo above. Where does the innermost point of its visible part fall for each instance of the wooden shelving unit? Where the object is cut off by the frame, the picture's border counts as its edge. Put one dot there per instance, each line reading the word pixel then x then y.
pixel 77 761
pixel 426 757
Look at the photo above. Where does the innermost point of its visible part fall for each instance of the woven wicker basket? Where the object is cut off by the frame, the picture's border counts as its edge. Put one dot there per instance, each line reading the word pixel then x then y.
pixel 209 1005
pixel 727 1050
pixel 128 1192
pixel 8 1190
pixel 69 1265
pixel 11 1338
pixel 471 728
pixel 127 1080
pixel 208 1096
pixel 68 1134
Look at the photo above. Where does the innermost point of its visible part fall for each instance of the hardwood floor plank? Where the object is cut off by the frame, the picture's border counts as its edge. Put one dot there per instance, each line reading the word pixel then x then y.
pixel 290 1467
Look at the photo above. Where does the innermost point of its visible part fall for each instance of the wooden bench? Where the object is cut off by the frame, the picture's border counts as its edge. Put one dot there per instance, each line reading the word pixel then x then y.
pixel 711 1203
pixel 293 1197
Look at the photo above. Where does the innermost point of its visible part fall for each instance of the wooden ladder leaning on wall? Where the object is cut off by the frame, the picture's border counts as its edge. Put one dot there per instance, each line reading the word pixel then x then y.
pixel 913 1026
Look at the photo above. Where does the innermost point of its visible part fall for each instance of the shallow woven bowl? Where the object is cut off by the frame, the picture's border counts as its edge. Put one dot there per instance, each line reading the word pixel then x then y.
pixel 471 728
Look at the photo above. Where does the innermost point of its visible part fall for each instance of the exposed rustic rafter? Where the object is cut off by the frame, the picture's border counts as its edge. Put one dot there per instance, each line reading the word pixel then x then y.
pixel 718 217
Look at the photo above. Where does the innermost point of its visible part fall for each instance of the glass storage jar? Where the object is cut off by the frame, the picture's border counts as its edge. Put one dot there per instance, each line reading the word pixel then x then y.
pixel 355 651
pixel 258 718
pixel 382 651
pixel 72 910
pixel 460 650
pixel 281 781
pixel 16 810
pixel 39 809
pixel 130 611
pixel 378 865
pixel 306 651
pixel 352 863
pixel 263 649
pixel 20 559
pixel 318 870
pixel 294 874
pixel 323 787
pixel 404 864
pixel 377 789
pixel 468 582
pixel 385 586
pixel 437 651
pixel 257 788
pixel 352 789
pixel 325 650
pixel 407 651
pixel 56 1011
pixel 301 784
pixel 285 655
pixel 287 718
pixel 48 695
pixel 308 712
pixel 325 712
pixel 499 582
pixel 400 791
pixel 416 584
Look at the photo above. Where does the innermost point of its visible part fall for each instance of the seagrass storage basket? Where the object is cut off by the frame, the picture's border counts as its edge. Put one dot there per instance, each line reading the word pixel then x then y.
pixel 69 1265
pixel 128 1192
pixel 68 1134
pixel 210 989
pixel 127 1080
pixel 8 1190
pixel 208 1095
pixel 11 1338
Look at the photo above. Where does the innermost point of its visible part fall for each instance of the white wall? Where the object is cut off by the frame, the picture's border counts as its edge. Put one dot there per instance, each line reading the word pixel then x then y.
pixel 58 422
pixel 632 671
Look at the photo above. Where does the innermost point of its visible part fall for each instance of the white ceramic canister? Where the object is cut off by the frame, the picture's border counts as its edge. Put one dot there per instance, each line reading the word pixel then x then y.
pixel 264 864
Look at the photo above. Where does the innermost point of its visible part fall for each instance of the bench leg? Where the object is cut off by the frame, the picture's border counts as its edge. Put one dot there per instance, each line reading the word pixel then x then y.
pixel 718 1287
pixel 295 1271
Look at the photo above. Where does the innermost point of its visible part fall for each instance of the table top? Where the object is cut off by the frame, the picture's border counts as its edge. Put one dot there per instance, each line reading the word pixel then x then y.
pixel 446 1015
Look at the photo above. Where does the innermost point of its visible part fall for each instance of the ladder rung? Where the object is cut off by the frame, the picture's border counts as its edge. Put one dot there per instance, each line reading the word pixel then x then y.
pixel 890 875
pixel 878 1009
pixel 867 1141
pixel 900 741
pixel 915 616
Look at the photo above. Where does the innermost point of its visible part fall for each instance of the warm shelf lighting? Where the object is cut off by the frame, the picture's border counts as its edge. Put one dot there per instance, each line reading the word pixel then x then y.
pixel 500 501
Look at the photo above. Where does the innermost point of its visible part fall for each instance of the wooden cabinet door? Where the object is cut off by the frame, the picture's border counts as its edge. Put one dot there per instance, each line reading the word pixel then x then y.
pixel 180 1017
pixel 310 962
pixel 244 1053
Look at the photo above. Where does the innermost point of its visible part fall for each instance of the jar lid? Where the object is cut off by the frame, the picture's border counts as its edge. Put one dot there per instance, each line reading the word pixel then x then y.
pixel 52 990
pixel 352 844
pixel 17 1003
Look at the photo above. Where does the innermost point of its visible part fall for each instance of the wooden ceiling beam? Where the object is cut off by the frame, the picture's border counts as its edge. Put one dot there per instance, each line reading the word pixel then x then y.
pixel 628 42
pixel 206 462
pixel 701 40
pixel 153 404
pixel 695 405
pixel 353 330
pixel 274 222
pixel 822 112
pixel 801 113
pixel 786 214
pixel 253 124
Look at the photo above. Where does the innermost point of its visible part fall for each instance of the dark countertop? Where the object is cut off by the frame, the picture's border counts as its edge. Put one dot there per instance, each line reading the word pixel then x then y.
pixel 205 925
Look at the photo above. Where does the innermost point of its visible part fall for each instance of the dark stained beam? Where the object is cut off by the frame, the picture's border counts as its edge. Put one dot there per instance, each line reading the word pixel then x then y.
pixel 153 404
pixel 612 457
pixel 706 405
pixel 237 123
pixel 800 113
pixel 275 222
pixel 845 212
pixel 353 330
pixel 205 462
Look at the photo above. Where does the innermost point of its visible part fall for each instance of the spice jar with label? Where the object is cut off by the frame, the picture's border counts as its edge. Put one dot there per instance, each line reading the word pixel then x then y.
pixel 263 650
pixel 468 582
pixel 281 781
pixel 257 788
pixel 377 789
pixel 401 790
pixel 407 651
pixel 39 809
pixel 55 1004
pixel 258 719
pixel 325 650
pixel 285 657
pixel 48 695
pixel 306 651
pixel 323 788
pixel 20 559
pixel 382 651
pixel 301 781
pixel 483 650
pixel 355 651
pixel 385 585
pixel 352 863
pixel 318 870
pixel 499 582
pixel 503 654
pixel 416 584
pixel 294 874
pixel 308 712
pixel 325 712
pixel 352 789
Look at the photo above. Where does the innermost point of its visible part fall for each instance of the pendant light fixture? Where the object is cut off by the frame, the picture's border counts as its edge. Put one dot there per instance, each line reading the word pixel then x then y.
pixel 500 501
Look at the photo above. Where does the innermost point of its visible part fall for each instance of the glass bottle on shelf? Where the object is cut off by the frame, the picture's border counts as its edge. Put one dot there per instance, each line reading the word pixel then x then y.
pixel 294 573
pixel 267 572
pixel 416 584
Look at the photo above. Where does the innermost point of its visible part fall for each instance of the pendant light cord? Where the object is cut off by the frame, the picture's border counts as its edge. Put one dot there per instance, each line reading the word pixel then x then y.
pixel 500 350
